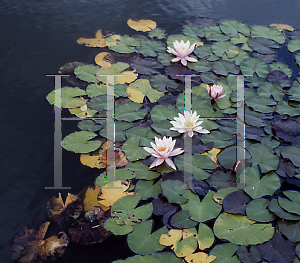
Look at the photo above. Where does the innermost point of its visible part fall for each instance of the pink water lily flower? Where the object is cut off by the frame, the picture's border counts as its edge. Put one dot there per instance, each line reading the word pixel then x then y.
pixel 216 91
pixel 182 50
pixel 188 123
pixel 162 150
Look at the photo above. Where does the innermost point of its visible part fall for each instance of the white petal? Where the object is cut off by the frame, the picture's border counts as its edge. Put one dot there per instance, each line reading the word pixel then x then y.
pixel 183 62
pixel 191 59
pixel 170 163
pixel 176 59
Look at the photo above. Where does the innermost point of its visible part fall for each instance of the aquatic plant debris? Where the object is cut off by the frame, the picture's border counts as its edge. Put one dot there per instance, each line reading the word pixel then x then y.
pixel 198 203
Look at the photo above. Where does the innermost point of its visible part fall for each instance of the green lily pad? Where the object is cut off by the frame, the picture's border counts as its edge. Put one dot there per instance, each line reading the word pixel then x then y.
pixel 204 210
pixel 121 48
pixel 166 257
pixel 254 118
pixel 171 39
pixel 284 108
pixel 163 128
pixel 119 174
pixel 262 45
pixel 146 66
pixel 240 230
pixel 294 45
pixel 87 73
pixel 68 97
pixel 276 209
pixel 290 229
pixel 122 44
pixel 147 189
pixel 220 180
pixel 141 171
pixel 193 31
pixel 257 210
pixel 219 48
pixel 297 58
pixel 94 90
pixel 251 65
pixel 224 253
pixel 157 33
pixel 294 91
pixel 205 236
pixel 126 214
pixel 78 142
pixel 139 259
pixel 256 187
pixel 141 241
pixel 282 67
pixel 220 140
pixel 201 65
pixel 242 55
pixel 227 157
pixel 89 125
pixel 268 32
pixel 233 28
pixel 132 149
pixel 129 112
pixel 240 39
pixel 214 33
pixel 292 153
pixel 116 69
pixel 181 220
pixel 120 128
pixel 209 78
pixel 269 141
pixel 205 52
pixel 173 191
pixel 261 104
pixel 163 112
pixel 146 134
pixel 292 206
pixel 99 103
pixel 160 82
pixel 222 193
pixel 165 58
pixel 267 89
pixel 149 46
pixel 222 67
pixel 197 101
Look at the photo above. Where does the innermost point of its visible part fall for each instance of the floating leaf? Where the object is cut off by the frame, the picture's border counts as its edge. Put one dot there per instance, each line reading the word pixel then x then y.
pixel 220 140
pixel 224 253
pixel 201 65
pixel 158 33
pixel 201 211
pixel 205 52
pixel 78 142
pixel 163 127
pixel 141 88
pixel 240 230
pixel 268 32
pixel 286 129
pixel 173 191
pixel 68 99
pixel 146 66
pixel 60 212
pixel 256 187
pixel 89 125
pixel 257 210
pixel 276 209
pixel 235 203
pixel 222 67
pixel 294 45
pixel 87 73
pixel 129 112
pixel 220 179
pixel 29 244
pixel 160 82
pixel 261 104
pixel 292 153
pixel 181 220
pixel 282 27
pixel 233 28
pixel 167 257
pixel 284 108
pixel 252 256
pixel 141 241
pixel 90 198
pixel 162 207
pixel 219 48
pixel 221 194
pixel 277 250
pixel 141 25
pixel 120 128
pixel 267 89
pixel 83 111
pixel 251 65
pixel 214 33
pixel 165 58
pixel 132 149
pixel 98 41
pixel 282 67
pixel 147 189
pixel 148 47
pixel 212 154
pixel 290 229
pixel 290 206
pixel 193 31
pixel 200 257
pixel 125 215
pixel 162 112
pixel 262 45
pixel 102 63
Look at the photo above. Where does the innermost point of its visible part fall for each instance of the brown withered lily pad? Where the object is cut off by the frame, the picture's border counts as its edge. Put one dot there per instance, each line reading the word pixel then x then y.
pixel 85 232
pixel 95 213
pixel 29 245
pixel 68 69
pixel 61 212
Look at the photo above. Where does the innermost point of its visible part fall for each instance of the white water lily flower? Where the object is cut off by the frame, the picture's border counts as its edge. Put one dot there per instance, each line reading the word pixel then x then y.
pixel 216 91
pixel 162 150
pixel 182 50
pixel 188 123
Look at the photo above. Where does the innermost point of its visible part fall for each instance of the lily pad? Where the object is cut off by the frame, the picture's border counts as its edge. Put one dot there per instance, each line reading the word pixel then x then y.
pixel 282 67
pixel 130 112
pixel 256 187
pixel 132 149
pixel 240 230
pixel 219 48
pixel 204 210
pixel 157 33
pixel 224 253
pixel 193 31
pixel 251 65
pixel 181 220
pixel 292 153
pixel 173 191
pixel 253 256
pixel 257 210
pixel 220 140
pixel 141 241
pixel 284 108
pixel 268 32
pixel 235 203
pixel 147 189
pixel 201 65
pixel 149 46
pixel 267 89
pixel 223 67
pixel 163 127
pixel 163 112
pixel 160 82
pixel 214 33
pixel 262 45
pixel 78 142
pixel 264 105
pixel 233 28
pixel 290 229
pixel 276 209
pixel 220 179
pixel 165 58
pixel 141 171
pixel 292 206
pixel 171 39
pixel 205 52
pixel 87 73
pixel 294 45
pixel 120 128
pixel 146 66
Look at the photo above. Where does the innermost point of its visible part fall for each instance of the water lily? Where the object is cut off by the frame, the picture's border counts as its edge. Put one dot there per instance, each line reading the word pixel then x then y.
pixel 162 150
pixel 216 91
pixel 182 50
pixel 188 123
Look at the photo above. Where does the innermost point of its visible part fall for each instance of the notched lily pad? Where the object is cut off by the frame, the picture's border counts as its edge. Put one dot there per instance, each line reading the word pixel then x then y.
pixel 146 66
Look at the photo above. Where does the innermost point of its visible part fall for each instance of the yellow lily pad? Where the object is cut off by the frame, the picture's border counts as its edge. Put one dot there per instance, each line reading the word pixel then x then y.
pixel 170 238
pixel 212 154
pixel 98 41
pixel 141 25
pixel 90 198
pixel 99 60
pixel 281 27
pixel 83 111
pixel 200 257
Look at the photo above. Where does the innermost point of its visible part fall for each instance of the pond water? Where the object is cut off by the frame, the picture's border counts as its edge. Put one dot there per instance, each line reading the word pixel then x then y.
pixel 40 36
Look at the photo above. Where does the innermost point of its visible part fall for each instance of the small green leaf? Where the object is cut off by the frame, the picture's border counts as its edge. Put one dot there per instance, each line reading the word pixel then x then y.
pixel 132 149
pixel 181 220
pixel 147 189
pixel 268 32
pixel 294 45
pixel 251 65
pixel 257 210
pixel 87 73
pixel 219 48
pixel 233 28
pixel 163 112
pixel 158 33
pixel 173 191
pixel 129 112
pixel 193 31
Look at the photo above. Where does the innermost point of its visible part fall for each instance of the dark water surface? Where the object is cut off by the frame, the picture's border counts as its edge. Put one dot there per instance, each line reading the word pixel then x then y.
pixel 37 37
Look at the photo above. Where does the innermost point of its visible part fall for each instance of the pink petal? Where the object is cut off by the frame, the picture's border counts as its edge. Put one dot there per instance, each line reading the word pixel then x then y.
pixel 170 163
pixel 183 62
pixel 176 152
pixel 222 96
pixel 191 59
pixel 157 162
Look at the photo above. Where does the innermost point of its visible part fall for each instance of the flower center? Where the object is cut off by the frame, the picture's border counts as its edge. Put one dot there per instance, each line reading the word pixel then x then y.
pixel 189 123
pixel 162 148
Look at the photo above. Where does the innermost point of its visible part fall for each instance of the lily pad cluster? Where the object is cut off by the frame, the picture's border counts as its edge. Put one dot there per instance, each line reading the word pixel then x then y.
pixel 205 217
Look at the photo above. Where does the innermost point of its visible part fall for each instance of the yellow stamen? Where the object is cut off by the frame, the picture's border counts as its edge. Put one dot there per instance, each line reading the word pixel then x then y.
pixel 189 123
pixel 162 148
